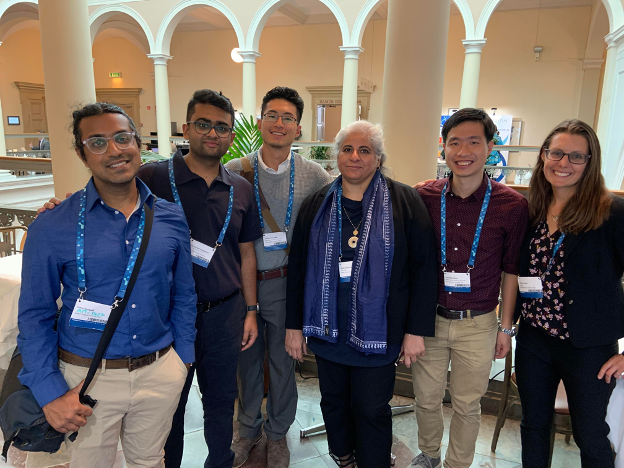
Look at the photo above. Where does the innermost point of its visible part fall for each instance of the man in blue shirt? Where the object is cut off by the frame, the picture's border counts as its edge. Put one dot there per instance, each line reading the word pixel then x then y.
pixel 145 366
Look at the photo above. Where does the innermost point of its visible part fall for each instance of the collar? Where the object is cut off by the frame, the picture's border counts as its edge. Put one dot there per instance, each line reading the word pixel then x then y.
pixel 478 194
pixel 283 167
pixel 183 174
pixel 93 197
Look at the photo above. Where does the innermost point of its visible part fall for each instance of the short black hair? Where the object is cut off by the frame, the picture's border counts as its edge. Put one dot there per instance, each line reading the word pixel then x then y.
pixel 287 94
pixel 212 98
pixel 91 110
pixel 469 114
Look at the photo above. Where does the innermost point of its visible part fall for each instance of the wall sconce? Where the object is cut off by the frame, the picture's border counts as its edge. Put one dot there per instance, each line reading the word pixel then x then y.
pixel 235 55
pixel 537 50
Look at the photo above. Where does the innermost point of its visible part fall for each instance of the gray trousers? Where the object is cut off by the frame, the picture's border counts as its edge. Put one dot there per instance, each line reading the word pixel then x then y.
pixel 282 398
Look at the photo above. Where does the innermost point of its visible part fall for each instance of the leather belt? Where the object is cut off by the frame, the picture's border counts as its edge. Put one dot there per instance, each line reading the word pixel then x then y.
pixel 459 314
pixel 206 306
pixel 280 272
pixel 123 363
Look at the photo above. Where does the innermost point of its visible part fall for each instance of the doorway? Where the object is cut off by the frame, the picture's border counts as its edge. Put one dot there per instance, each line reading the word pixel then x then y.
pixel 327 101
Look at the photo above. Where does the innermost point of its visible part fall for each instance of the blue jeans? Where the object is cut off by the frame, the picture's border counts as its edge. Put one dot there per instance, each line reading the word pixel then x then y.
pixel 219 336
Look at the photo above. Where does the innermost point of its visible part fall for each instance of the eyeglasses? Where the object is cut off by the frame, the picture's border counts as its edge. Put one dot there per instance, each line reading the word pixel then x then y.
pixel 99 145
pixel 204 128
pixel 574 157
pixel 273 118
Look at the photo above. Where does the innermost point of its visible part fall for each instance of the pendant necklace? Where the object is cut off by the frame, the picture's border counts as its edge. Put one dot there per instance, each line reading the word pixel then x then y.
pixel 353 240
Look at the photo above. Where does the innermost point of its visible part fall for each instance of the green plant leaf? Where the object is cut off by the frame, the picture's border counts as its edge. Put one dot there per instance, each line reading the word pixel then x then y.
pixel 248 139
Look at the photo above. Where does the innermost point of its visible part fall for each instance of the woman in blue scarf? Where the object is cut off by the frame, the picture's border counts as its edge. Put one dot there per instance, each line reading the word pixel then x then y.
pixel 362 288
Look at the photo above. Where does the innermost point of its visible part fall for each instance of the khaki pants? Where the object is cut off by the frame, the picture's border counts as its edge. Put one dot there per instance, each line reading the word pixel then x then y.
pixel 469 346
pixel 137 405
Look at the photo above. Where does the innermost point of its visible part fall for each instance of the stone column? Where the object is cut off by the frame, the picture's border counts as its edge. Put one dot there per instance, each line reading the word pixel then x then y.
pixel 350 84
pixel 589 91
pixel 607 93
pixel 416 38
pixel 2 137
pixel 163 110
pixel 249 82
pixel 69 82
pixel 472 69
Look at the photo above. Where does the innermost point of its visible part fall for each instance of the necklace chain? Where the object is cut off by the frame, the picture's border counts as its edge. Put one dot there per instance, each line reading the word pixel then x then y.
pixel 355 229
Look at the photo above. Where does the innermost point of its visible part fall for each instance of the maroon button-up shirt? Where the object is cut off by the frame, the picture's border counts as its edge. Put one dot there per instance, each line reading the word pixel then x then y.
pixel 499 248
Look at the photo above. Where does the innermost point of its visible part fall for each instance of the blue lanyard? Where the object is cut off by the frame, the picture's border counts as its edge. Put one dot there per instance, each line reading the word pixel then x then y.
pixel 477 237
pixel 339 215
pixel 176 197
pixel 552 259
pixel 80 262
pixel 291 191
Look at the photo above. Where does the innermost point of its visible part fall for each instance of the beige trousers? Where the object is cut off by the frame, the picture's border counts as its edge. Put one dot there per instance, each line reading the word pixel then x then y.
pixel 469 345
pixel 137 406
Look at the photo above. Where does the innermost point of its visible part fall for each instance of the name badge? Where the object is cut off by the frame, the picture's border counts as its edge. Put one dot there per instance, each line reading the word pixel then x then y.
pixel 531 286
pixel 274 241
pixel 201 253
pixel 345 271
pixel 457 282
pixel 87 314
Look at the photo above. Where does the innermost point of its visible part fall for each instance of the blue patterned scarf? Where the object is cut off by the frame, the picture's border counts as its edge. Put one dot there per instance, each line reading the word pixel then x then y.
pixel 370 276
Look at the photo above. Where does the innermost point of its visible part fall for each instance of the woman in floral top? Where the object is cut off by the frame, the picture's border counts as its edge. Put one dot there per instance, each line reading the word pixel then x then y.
pixel 571 300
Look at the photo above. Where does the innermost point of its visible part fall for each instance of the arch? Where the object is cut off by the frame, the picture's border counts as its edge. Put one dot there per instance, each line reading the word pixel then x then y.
pixel 370 7
pixel 99 16
pixel 270 6
pixel 128 31
pixel 4 6
pixel 13 27
pixel 171 20
pixel 598 29
pixel 614 8
pixel 13 22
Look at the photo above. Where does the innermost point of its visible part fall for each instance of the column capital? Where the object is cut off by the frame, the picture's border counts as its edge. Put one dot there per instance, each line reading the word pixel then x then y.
pixel 160 59
pixel 590 63
pixel 616 38
pixel 351 52
pixel 474 46
pixel 249 56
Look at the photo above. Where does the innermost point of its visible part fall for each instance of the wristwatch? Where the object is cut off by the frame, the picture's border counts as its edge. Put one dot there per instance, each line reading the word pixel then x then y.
pixel 507 331
pixel 255 307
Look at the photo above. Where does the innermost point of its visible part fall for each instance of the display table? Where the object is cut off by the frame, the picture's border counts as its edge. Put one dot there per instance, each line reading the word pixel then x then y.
pixel 10 282
pixel 615 418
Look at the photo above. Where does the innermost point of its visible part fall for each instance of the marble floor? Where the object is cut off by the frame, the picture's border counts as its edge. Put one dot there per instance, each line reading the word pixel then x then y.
pixel 313 452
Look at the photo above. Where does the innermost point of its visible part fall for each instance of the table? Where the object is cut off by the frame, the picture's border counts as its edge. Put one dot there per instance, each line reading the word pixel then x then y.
pixel 10 283
pixel 615 418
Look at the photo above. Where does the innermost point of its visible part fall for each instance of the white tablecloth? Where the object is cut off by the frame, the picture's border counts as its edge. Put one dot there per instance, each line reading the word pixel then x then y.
pixel 10 282
pixel 615 418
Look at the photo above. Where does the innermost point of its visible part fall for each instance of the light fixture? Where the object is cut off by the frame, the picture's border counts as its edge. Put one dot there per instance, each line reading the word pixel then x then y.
pixel 537 50
pixel 235 55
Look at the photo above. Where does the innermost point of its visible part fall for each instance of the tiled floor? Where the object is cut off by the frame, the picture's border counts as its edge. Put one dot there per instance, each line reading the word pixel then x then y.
pixel 313 452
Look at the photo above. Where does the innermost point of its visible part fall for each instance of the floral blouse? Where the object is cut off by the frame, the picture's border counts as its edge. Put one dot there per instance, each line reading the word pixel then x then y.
pixel 547 313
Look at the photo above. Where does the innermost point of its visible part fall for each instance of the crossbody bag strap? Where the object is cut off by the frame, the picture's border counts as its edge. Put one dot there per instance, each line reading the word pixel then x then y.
pixel 248 173
pixel 115 315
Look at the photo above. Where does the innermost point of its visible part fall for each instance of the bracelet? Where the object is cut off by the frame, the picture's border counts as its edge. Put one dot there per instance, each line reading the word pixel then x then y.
pixel 507 331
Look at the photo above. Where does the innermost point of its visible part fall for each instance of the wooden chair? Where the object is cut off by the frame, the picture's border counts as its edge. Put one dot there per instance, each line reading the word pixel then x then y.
pixel 8 240
pixel 510 397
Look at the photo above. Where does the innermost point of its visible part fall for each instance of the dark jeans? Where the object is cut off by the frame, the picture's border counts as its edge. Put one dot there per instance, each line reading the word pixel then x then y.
pixel 219 336
pixel 542 362
pixel 355 405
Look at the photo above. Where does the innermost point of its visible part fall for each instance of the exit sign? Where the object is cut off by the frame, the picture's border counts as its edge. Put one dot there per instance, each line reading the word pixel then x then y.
pixel 114 75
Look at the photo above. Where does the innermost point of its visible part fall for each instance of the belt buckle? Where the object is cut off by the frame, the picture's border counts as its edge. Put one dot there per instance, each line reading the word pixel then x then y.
pixel 461 314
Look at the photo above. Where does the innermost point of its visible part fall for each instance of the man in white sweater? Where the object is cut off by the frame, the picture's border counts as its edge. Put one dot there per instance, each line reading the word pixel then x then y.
pixel 282 179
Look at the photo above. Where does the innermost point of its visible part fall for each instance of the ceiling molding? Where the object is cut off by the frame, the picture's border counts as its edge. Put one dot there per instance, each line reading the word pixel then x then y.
pixel 293 13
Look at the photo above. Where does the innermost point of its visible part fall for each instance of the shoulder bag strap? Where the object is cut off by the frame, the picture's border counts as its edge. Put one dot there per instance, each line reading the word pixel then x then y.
pixel 248 173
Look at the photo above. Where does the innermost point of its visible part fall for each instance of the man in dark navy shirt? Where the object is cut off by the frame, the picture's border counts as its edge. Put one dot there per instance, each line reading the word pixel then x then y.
pixel 225 317
pixel 87 245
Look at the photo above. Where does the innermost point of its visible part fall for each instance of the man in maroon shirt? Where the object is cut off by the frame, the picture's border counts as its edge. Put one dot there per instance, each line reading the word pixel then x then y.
pixel 479 227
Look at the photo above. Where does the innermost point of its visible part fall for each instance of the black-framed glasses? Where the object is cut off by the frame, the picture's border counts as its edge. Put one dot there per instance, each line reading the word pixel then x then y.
pixel 574 157
pixel 273 118
pixel 204 128
pixel 99 145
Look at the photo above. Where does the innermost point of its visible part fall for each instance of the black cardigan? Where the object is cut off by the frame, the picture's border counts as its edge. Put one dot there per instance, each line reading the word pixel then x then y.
pixel 593 268
pixel 412 299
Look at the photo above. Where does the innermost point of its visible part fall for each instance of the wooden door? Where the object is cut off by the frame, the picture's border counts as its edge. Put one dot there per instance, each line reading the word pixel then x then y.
pixel 32 97
pixel 126 98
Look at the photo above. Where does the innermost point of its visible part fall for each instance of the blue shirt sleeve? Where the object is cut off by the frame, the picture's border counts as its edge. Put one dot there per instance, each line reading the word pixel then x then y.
pixel 183 298
pixel 37 339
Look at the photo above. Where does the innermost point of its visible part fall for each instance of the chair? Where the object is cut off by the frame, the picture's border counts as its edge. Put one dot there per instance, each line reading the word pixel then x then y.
pixel 8 240
pixel 510 397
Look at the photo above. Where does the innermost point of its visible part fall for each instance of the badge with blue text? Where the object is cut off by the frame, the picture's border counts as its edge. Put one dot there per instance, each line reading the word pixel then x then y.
pixel 530 287
pixel 201 253
pixel 87 314
pixel 274 241
pixel 457 282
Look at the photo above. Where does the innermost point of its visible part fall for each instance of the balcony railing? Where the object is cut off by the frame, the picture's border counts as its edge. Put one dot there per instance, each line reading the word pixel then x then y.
pixel 11 216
